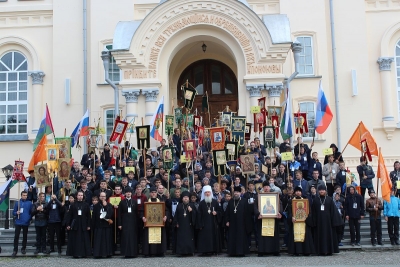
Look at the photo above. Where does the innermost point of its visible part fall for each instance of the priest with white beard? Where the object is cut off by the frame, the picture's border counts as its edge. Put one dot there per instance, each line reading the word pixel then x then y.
pixel 209 216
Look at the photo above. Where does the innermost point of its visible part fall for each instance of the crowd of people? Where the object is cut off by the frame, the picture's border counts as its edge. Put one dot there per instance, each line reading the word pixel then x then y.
pixel 205 213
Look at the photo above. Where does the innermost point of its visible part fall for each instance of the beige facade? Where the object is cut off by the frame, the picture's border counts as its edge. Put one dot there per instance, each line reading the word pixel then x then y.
pixel 154 42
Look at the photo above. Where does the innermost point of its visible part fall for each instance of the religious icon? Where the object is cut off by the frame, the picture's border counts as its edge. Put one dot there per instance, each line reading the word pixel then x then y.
pixel 261 103
pixel 247 162
pixel 226 118
pixel 221 157
pixel 189 146
pixel 143 133
pixel 51 154
pixel 64 148
pixel 93 140
pixel 196 120
pixel 167 155
pixel 188 94
pixel 268 204
pixel 41 175
pixel 238 125
pixel 63 169
pixel 274 111
pixel 217 137
pixel 231 149
pixel 247 129
pixel 300 209
pixel 269 136
pixel 260 118
pixel 154 212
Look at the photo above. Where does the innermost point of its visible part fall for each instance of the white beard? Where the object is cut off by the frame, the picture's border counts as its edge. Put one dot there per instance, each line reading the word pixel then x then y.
pixel 208 199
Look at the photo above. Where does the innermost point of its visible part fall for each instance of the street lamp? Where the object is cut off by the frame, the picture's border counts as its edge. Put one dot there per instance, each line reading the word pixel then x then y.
pixel 106 57
pixel 8 171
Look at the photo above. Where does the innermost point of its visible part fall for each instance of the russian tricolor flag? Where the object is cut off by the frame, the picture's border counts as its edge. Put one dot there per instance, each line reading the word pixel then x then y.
pixel 324 113
pixel 157 121
pixel 82 129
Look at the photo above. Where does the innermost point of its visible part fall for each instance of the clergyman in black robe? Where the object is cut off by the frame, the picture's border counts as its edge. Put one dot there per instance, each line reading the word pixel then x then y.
pixel 103 213
pixel 78 224
pixel 209 216
pixel 267 244
pixel 238 219
pixel 127 223
pixel 155 249
pixel 295 248
pixel 325 217
pixel 184 223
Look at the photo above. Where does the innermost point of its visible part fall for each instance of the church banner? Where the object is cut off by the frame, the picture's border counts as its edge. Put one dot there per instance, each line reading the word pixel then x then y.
pixel 238 127
pixel 217 136
pixel 52 157
pixel 143 136
pixel 169 124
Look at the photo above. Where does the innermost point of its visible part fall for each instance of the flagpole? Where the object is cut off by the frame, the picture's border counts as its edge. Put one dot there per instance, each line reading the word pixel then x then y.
pixel 377 179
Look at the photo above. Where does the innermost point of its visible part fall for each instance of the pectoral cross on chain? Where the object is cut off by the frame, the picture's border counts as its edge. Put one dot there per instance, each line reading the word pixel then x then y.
pixel 234 210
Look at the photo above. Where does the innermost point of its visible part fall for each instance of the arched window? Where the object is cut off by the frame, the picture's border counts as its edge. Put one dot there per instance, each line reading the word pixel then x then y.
pixel 309 108
pixel 398 75
pixel 13 93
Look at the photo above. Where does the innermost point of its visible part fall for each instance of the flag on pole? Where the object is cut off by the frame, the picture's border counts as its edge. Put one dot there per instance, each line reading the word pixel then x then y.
pixel 383 175
pixel 361 133
pixel 39 154
pixel 82 129
pixel 157 121
pixel 286 124
pixel 46 128
pixel 324 113
pixel 4 196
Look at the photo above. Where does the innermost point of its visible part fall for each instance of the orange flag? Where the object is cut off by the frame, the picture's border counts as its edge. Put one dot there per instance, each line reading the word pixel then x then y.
pixel 39 154
pixel 386 183
pixel 361 133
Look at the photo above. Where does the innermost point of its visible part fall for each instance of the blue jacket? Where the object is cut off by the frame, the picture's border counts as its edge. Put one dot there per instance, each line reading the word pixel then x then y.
pixel 304 160
pixel 314 165
pixel 54 214
pixel 367 170
pixel 303 184
pixel 354 206
pixel 391 209
pixel 24 217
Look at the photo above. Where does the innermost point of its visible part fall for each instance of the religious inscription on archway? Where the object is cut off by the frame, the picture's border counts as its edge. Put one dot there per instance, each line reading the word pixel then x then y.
pixel 205 19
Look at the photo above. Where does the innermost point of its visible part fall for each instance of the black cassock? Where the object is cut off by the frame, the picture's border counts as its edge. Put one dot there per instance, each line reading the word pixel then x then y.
pixel 102 231
pixel 267 244
pixel 324 223
pixel 208 240
pixel 306 247
pixel 128 221
pixel 238 214
pixel 155 249
pixel 184 234
pixel 78 218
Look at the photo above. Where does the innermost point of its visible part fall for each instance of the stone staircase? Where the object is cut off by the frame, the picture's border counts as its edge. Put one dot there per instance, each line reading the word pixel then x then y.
pixel 7 240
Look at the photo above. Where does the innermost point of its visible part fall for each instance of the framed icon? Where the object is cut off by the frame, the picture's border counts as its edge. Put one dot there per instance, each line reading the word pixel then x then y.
pixel 268 204
pixel 154 213
pixel 300 209
pixel 247 162
pixel 41 175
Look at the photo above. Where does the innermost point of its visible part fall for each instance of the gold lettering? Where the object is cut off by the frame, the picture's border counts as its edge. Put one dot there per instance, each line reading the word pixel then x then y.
pixel 160 41
pixel 264 69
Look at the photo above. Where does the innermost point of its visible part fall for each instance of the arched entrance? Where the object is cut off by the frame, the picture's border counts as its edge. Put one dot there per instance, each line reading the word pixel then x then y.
pixel 215 78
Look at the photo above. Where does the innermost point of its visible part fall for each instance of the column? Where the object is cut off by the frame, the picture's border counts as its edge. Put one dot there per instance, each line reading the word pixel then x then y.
pixel 151 95
pixel 131 99
pixel 389 124
pixel 255 94
pixel 37 91
pixel 274 93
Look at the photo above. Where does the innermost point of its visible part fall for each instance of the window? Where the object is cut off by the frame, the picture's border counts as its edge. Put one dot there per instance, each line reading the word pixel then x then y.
pixel 114 73
pixel 13 94
pixel 309 108
pixel 398 75
pixel 306 64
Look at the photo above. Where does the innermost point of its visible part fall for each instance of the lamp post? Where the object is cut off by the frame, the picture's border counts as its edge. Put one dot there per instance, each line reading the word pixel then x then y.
pixel 7 171
pixel 204 47
pixel 297 48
